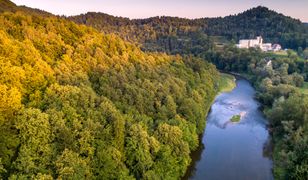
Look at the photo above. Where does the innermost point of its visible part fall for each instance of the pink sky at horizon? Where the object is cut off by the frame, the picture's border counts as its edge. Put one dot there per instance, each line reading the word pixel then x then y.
pixel 181 8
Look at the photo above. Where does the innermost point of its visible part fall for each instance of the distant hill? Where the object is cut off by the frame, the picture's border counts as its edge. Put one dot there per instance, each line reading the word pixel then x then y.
pixel 168 34
pixel 178 35
pixel 8 6
pixel 273 26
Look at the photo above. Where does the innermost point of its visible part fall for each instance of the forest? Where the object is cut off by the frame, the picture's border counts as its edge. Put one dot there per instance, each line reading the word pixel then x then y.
pixel 278 85
pixel 179 35
pixel 79 104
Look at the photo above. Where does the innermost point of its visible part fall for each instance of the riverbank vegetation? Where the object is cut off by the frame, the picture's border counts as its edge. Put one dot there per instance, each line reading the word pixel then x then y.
pixel 78 104
pixel 226 82
pixel 281 88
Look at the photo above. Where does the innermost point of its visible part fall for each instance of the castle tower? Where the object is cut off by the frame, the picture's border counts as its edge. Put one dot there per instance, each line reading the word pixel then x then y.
pixel 260 40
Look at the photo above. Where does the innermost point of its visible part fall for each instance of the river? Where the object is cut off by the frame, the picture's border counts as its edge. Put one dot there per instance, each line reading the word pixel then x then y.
pixel 233 151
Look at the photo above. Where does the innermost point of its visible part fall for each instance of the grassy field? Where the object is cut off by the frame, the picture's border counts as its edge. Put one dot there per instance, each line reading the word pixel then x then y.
pixel 304 89
pixel 281 53
pixel 226 82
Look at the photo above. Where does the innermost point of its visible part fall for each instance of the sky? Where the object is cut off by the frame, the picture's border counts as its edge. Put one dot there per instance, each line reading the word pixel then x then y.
pixel 182 8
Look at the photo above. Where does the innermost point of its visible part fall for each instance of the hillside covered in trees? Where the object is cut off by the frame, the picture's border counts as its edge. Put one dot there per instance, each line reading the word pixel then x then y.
pixel 8 6
pixel 78 104
pixel 179 35
pixel 278 83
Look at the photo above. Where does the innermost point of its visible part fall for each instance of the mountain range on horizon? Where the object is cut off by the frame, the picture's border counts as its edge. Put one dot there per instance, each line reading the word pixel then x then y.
pixel 164 30
pixel 167 34
pixel 7 5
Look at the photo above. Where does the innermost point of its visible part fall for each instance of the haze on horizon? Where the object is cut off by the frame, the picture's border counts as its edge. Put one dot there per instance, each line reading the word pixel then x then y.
pixel 181 8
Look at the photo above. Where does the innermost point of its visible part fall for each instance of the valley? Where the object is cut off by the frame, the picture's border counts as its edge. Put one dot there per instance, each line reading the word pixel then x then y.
pixel 95 96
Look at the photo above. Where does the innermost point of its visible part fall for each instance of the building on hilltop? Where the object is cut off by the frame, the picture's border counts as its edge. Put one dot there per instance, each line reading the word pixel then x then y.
pixel 258 43
pixel 248 43
pixel 266 47
pixel 276 47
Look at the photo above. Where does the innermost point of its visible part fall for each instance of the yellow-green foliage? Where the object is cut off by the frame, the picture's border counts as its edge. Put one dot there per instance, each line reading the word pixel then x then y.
pixel 226 82
pixel 79 104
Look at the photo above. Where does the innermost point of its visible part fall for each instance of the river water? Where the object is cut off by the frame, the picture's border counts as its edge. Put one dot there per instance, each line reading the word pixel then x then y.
pixel 233 151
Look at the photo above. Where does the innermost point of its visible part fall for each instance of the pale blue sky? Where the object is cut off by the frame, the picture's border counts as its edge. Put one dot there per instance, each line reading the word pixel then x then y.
pixel 182 8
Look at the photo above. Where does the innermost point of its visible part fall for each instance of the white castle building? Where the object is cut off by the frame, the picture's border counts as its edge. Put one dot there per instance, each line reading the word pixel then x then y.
pixel 255 43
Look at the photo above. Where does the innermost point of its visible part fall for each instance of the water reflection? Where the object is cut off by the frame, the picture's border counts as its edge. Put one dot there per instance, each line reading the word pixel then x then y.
pixel 233 150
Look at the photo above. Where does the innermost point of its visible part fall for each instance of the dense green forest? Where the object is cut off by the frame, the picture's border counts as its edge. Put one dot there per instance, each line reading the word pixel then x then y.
pixel 165 34
pixel 286 107
pixel 179 35
pixel 274 27
pixel 78 104
pixel 278 78
pixel 278 83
